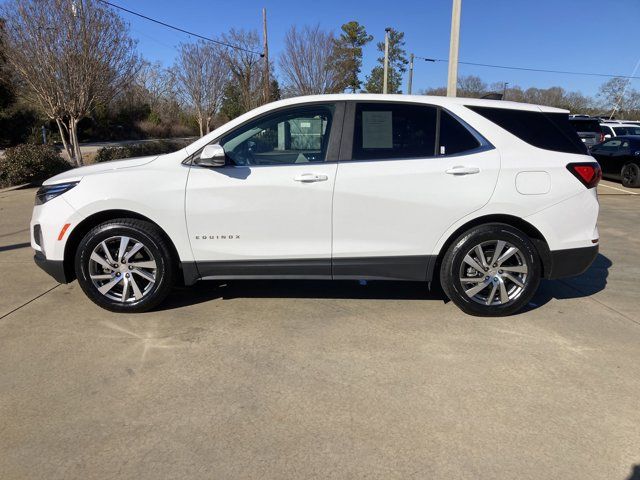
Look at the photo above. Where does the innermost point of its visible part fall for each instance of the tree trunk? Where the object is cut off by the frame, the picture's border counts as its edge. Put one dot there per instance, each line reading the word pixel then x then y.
pixel 201 124
pixel 65 144
pixel 75 144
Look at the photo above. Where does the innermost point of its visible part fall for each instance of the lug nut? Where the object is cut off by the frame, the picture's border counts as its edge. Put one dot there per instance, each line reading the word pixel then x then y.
pixel 130 267
pixel 499 271
pixel 118 274
pixel 115 265
pixel 127 275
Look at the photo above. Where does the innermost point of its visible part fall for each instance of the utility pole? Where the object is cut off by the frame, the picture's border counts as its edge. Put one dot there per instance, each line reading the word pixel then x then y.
pixel 385 76
pixel 452 81
pixel 410 74
pixel 265 57
pixel 412 57
pixel 504 90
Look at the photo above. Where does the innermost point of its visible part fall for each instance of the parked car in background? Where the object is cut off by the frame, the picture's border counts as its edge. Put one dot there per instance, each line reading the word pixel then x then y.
pixel 485 197
pixel 619 158
pixel 588 129
pixel 615 129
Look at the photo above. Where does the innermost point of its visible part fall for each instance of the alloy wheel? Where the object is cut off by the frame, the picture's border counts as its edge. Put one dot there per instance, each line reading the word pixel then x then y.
pixel 122 269
pixel 493 273
pixel 629 175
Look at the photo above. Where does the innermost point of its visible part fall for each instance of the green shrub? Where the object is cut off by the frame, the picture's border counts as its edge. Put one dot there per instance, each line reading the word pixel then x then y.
pixel 30 163
pixel 156 147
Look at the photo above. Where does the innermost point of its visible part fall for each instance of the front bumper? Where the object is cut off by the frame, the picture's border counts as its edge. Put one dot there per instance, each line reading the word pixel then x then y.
pixel 571 262
pixel 55 268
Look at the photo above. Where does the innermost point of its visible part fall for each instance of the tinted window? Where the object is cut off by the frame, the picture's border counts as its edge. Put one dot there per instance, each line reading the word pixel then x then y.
pixel 610 145
pixel 627 130
pixel 298 135
pixel 592 126
pixel 550 131
pixel 454 137
pixel 384 130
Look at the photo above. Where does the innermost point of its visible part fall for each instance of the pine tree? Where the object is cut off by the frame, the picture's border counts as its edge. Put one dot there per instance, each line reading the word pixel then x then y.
pixel 348 54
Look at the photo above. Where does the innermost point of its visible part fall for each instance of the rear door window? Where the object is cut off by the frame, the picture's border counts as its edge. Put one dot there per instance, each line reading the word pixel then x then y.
pixel 392 131
pixel 388 131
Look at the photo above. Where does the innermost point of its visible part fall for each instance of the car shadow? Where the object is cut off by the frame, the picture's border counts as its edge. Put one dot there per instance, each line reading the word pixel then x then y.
pixel 205 291
pixel 590 282
pixel 635 473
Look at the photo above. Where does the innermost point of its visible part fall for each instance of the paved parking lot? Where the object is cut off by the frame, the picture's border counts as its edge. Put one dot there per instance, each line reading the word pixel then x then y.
pixel 256 380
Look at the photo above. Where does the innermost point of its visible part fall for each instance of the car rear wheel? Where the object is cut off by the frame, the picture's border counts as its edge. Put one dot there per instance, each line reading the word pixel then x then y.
pixel 491 270
pixel 125 265
pixel 631 175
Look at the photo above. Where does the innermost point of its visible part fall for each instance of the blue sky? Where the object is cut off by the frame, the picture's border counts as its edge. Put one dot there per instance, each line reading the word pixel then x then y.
pixel 577 35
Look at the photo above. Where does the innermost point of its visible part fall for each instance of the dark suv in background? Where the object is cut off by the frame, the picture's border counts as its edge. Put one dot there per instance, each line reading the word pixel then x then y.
pixel 588 129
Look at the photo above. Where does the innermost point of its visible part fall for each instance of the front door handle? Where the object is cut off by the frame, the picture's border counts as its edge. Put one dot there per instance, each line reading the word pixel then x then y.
pixel 462 170
pixel 310 178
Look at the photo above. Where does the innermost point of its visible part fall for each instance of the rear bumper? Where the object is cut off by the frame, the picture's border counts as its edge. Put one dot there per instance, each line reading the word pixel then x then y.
pixel 571 262
pixel 55 268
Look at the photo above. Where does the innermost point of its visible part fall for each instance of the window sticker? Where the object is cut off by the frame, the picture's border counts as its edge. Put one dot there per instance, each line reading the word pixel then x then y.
pixel 377 130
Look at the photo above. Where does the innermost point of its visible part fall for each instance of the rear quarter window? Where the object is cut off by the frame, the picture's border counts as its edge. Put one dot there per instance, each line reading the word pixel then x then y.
pixel 549 131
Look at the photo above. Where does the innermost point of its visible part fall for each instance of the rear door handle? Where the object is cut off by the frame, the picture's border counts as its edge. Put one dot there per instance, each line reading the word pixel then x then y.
pixel 462 170
pixel 310 178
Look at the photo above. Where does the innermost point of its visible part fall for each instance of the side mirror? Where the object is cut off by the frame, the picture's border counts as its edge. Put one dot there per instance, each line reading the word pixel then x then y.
pixel 212 156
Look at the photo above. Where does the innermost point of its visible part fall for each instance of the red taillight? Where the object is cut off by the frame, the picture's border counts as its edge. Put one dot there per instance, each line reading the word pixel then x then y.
pixel 589 174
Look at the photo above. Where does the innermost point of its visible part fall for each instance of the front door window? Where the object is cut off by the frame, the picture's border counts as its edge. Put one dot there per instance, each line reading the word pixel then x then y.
pixel 288 137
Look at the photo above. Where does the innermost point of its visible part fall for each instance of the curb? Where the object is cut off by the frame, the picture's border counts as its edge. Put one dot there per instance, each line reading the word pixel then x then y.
pixel 18 187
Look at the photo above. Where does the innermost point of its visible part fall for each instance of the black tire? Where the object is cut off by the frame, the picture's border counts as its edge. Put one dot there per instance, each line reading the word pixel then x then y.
pixel 630 175
pixel 156 249
pixel 487 235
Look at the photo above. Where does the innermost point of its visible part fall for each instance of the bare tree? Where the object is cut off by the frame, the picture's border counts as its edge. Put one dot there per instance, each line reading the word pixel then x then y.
pixel 307 62
pixel 156 84
pixel 70 55
pixel 246 67
pixel 471 86
pixel 616 95
pixel 201 73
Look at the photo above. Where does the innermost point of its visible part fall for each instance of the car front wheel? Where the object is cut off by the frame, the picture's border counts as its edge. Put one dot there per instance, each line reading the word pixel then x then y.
pixel 125 265
pixel 491 270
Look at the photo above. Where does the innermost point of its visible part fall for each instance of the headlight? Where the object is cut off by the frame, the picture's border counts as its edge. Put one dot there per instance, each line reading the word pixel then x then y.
pixel 49 192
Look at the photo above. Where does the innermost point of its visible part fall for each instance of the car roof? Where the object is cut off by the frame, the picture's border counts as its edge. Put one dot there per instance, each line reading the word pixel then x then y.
pixel 429 99
pixel 622 125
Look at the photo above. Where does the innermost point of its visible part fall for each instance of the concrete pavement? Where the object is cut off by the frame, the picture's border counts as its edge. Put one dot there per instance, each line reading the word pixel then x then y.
pixel 291 380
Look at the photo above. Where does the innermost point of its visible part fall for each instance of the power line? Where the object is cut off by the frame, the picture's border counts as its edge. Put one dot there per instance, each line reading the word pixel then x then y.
pixel 224 44
pixel 506 67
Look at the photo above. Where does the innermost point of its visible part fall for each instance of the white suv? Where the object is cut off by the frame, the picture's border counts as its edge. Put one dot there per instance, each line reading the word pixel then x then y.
pixel 485 196
pixel 617 128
